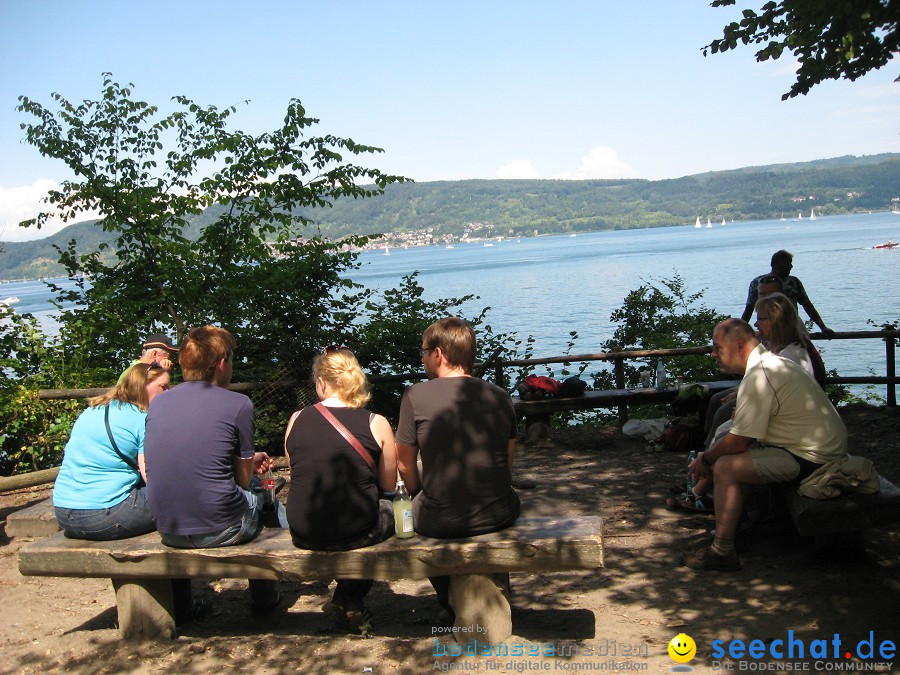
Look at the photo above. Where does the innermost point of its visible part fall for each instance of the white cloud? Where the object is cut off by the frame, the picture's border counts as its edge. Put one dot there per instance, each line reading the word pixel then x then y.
pixel 601 162
pixel 518 168
pixel 884 90
pixel 21 203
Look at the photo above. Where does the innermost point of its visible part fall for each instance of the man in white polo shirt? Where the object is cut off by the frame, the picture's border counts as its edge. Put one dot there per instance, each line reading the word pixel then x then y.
pixel 784 429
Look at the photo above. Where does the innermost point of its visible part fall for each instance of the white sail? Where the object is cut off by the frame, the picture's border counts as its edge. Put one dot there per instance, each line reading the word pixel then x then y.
pixel 708 224
pixel 697 224
pixel 812 214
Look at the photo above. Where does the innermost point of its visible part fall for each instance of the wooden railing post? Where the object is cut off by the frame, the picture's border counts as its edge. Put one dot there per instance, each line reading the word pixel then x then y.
pixel 619 370
pixel 890 365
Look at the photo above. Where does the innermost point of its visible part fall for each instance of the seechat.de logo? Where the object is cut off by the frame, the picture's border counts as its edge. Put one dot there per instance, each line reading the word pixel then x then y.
pixel 797 648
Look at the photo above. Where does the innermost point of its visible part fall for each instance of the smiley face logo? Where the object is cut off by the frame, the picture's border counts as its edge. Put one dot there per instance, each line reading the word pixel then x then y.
pixel 682 648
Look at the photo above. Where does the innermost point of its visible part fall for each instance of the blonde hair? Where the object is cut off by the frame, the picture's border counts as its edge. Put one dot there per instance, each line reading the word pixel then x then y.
pixel 782 321
pixel 343 374
pixel 132 388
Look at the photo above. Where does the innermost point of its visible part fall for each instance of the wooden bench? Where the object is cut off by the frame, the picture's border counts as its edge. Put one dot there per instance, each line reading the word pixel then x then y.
pixel 539 411
pixel 140 567
pixel 37 520
pixel 846 515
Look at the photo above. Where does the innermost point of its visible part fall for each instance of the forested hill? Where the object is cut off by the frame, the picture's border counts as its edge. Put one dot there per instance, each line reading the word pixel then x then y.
pixel 528 207
pixel 521 207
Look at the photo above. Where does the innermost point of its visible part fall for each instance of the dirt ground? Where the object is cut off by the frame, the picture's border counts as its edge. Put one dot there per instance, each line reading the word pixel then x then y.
pixel 618 619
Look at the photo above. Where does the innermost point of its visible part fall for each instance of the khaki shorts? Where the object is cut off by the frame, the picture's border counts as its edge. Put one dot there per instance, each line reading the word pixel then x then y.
pixel 773 464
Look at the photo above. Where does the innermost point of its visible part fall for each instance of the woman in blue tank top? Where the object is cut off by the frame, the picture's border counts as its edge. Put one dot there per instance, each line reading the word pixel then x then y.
pixel 100 491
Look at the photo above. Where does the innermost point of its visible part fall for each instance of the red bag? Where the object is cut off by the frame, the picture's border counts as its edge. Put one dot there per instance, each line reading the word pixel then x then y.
pixel 547 384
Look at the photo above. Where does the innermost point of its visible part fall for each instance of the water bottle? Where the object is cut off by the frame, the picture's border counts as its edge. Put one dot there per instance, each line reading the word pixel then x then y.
pixel 660 375
pixel 692 455
pixel 698 501
pixel 403 515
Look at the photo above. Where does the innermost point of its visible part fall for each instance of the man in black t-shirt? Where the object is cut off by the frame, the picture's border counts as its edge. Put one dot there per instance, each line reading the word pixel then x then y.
pixel 465 430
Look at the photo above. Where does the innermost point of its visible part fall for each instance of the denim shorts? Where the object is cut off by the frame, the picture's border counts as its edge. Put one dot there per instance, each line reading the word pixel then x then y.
pixel 128 518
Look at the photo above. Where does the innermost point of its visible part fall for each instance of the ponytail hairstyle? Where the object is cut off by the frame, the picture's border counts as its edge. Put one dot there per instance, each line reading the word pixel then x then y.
pixel 339 368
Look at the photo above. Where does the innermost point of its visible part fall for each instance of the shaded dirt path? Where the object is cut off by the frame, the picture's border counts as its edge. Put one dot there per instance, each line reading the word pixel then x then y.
pixel 623 616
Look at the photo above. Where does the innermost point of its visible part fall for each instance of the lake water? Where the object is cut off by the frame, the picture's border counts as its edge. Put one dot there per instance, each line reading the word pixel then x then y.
pixel 549 286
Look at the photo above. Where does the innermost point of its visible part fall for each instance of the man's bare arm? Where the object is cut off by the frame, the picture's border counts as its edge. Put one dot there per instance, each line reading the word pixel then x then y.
pixel 729 444
pixel 406 465
pixel 245 468
pixel 816 319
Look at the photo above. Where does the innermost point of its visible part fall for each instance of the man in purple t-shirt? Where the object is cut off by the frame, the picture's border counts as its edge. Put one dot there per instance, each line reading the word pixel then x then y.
pixel 198 449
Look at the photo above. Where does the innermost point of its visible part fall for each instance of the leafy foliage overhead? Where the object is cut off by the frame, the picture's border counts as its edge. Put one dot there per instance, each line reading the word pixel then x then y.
pixel 831 39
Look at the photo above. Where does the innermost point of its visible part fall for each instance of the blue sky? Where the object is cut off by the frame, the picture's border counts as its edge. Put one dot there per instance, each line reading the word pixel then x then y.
pixel 452 90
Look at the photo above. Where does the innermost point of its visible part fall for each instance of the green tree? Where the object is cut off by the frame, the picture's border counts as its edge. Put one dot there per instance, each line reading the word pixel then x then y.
pixel 32 432
pixel 831 40
pixel 664 316
pixel 147 174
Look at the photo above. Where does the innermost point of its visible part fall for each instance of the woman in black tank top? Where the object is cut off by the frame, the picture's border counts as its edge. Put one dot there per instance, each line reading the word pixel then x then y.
pixel 341 458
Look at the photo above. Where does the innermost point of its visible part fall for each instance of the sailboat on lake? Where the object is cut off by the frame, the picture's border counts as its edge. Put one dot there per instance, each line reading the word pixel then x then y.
pixel 812 214
pixel 697 224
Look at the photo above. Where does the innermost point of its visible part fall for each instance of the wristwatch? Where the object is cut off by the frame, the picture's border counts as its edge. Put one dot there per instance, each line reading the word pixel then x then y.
pixel 704 460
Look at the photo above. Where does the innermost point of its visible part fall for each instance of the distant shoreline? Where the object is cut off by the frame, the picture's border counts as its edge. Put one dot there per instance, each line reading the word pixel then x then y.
pixel 409 242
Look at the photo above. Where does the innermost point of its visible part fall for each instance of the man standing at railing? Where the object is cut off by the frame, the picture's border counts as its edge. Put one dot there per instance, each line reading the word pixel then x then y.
pixel 784 429
pixel 782 262
pixel 465 429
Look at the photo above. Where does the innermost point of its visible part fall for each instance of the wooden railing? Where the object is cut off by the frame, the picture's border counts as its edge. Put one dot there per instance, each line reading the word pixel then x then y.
pixel 499 366
pixel 889 335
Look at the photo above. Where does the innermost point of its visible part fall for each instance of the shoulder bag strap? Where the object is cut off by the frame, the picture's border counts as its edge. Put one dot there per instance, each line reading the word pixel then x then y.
pixel 127 460
pixel 350 438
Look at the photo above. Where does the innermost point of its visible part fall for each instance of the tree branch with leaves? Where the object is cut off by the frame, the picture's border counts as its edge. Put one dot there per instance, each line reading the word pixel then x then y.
pixel 830 40
pixel 150 175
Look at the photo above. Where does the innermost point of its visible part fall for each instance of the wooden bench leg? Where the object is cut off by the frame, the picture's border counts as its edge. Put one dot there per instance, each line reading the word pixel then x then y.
pixel 146 608
pixel 537 427
pixel 481 605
